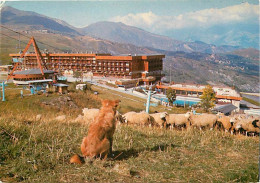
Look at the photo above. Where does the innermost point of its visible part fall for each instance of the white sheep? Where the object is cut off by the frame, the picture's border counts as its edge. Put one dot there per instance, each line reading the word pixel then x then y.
pixel 159 119
pixel 203 120
pixel 178 120
pixel 139 119
pixel 89 115
pixel 61 118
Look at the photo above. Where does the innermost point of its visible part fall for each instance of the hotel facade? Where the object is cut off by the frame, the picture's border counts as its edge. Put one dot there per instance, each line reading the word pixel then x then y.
pixel 147 67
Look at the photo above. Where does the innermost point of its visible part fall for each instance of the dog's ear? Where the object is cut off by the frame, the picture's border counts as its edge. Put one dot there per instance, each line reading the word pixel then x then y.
pixel 117 102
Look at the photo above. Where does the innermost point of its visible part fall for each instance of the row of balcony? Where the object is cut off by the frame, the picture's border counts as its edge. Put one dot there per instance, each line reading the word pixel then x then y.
pixel 80 64
pixel 76 64
pixel 82 68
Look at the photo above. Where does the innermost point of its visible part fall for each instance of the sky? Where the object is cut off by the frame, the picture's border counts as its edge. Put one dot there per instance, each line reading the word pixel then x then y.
pixel 232 22
pixel 144 13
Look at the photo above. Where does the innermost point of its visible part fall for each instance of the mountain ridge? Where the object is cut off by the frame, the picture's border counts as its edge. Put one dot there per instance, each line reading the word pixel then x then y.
pixel 112 31
pixel 119 32
pixel 33 21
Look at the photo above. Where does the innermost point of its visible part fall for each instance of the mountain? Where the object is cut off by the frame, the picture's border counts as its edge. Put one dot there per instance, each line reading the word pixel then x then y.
pixel 243 35
pixel 116 32
pixel 28 20
pixel 203 68
pixel 64 43
pixel 249 53
pixel 122 33
pixel 195 62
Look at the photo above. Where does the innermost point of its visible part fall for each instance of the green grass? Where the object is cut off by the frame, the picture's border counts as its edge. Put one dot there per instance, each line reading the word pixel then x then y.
pixel 251 101
pixel 39 151
pixel 42 153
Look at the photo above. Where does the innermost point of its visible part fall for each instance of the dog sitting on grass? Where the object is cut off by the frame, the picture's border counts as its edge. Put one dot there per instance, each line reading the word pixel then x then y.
pixel 99 141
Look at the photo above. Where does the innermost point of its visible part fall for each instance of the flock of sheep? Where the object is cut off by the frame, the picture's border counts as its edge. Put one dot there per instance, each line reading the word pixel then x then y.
pixel 239 123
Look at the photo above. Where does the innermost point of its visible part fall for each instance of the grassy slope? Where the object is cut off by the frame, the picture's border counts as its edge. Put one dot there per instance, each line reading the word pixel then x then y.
pixel 39 151
pixel 251 101
pixel 62 43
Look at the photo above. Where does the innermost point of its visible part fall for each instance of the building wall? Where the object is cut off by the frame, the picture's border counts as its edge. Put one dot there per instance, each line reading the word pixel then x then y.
pixel 224 95
pixel 99 65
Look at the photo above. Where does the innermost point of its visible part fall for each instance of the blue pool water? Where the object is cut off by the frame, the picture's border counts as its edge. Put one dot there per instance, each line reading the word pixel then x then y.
pixel 180 102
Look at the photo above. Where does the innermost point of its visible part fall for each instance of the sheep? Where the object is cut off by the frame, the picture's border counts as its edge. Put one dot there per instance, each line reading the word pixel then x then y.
pixel 178 120
pixel 225 121
pixel 159 119
pixel 203 120
pixel 89 114
pixel 119 118
pixel 247 126
pixel 61 118
pixel 140 119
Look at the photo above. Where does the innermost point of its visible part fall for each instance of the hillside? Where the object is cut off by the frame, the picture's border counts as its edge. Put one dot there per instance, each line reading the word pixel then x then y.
pixel 249 53
pixel 200 68
pixel 119 32
pixel 30 21
pixel 39 150
pixel 64 43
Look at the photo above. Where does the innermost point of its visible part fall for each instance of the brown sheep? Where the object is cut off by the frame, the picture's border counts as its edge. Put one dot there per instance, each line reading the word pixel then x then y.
pixel 225 121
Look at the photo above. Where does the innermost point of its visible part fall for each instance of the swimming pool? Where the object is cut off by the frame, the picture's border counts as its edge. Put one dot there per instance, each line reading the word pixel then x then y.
pixel 181 101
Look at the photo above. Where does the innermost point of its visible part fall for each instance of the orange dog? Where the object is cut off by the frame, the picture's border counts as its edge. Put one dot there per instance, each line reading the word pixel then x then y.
pixel 99 140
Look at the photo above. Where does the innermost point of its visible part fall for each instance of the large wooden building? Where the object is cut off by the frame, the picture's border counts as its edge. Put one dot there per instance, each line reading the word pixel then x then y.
pixel 148 67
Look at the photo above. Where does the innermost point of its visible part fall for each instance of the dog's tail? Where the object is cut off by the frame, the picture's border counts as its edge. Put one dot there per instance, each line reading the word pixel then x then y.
pixel 77 159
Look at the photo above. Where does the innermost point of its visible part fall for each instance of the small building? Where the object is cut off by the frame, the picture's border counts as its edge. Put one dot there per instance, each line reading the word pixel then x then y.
pixel 81 87
pixel 224 94
pixel 38 85
pixel 225 109
pixel 127 83
pixel 61 88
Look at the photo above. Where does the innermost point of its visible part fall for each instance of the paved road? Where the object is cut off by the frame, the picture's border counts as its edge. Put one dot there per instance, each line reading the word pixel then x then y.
pixel 95 82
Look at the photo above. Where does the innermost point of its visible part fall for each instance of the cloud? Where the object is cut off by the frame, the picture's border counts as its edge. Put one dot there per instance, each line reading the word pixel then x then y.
pixel 203 18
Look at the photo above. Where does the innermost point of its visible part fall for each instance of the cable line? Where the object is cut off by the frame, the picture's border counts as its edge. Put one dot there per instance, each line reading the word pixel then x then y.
pixel 30 38
pixel 12 38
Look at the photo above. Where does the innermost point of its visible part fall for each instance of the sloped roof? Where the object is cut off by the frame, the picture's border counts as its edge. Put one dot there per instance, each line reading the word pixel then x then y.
pixel 225 108
pixel 60 85
pixel 33 71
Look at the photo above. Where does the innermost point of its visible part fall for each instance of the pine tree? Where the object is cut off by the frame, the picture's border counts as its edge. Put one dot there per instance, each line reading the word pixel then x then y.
pixel 208 98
